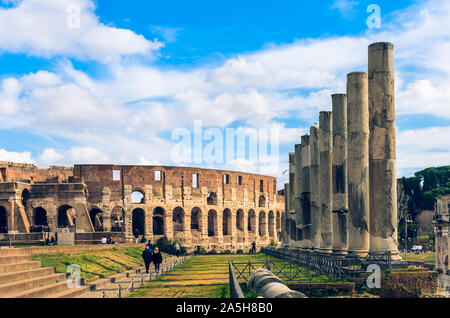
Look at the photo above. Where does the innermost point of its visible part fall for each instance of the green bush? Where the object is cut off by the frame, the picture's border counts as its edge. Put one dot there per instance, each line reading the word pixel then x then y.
pixel 167 246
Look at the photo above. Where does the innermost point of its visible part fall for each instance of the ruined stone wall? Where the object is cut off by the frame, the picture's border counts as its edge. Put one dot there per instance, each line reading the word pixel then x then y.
pixel 11 171
pixel 442 225
pixel 213 209
pixel 223 210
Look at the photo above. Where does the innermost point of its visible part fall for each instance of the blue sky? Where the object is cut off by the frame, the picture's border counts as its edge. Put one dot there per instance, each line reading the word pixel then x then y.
pixel 109 81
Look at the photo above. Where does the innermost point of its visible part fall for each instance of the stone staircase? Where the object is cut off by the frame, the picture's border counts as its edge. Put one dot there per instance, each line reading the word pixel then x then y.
pixel 20 277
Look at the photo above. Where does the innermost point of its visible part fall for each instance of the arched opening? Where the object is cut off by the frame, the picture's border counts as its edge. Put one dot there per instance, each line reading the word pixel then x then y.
pixel 138 221
pixel 195 219
pixel 251 224
pixel 212 223
pixel 262 201
pixel 226 222
pixel 25 197
pixel 262 223
pixel 117 217
pixel 66 216
pixel 96 216
pixel 177 219
pixel 278 225
pixel 137 197
pixel 271 224
pixel 3 220
pixel 40 217
pixel 240 220
pixel 158 221
pixel 212 198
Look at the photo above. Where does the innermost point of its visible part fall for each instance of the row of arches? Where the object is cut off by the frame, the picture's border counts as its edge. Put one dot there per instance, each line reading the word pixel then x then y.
pixel 66 217
pixel 138 197
pixel 180 223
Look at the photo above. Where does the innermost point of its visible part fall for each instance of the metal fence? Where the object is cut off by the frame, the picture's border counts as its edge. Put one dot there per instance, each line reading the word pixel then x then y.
pixel 335 268
pixel 235 288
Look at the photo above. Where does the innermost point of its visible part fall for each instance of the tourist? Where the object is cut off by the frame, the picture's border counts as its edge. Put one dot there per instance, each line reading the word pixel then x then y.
pixel 104 240
pixel 147 255
pixel 177 249
pixel 150 245
pixel 143 239
pixel 136 235
pixel 253 247
pixel 157 259
pixel 109 240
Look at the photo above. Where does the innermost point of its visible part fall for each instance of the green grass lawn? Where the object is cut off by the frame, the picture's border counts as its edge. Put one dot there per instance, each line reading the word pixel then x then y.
pixel 95 264
pixel 427 258
pixel 203 276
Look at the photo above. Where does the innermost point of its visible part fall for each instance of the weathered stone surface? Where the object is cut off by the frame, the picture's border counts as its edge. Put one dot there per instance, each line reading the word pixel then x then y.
pixel 382 154
pixel 340 179
pixel 325 184
pixel 305 193
pixel 316 214
pixel 191 205
pixel 268 285
pixel 358 163
pixel 442 241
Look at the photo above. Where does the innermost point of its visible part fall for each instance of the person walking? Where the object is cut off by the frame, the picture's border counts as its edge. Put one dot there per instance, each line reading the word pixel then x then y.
pixel 147 255
pixel 177 249
pixel 157 259
pixel 253 247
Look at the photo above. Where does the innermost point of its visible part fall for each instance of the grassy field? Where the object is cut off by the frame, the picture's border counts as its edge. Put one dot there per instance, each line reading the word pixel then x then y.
pixel 95 264
pixel 203 276
pixel 428 258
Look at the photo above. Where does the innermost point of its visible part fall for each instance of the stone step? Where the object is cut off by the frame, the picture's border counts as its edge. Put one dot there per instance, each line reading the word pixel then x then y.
pixel 12 252
pixel 41 291
pixel 21 266
pixel 14 259
pixel 23 285
pixel 25 274
pixel 70 292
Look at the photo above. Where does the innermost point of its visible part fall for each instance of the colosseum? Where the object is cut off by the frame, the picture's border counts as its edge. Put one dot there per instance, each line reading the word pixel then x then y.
pixel 212 209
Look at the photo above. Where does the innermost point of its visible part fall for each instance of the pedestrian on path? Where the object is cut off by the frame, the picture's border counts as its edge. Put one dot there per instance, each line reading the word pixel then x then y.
pixel 157 259
pixel 147 255
pixel 177 249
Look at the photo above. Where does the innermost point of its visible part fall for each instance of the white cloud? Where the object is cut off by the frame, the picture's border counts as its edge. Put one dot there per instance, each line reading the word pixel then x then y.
pixel 345 7
pixel 48 28
pixel 9 93
pixel 168 34
pixel 22 157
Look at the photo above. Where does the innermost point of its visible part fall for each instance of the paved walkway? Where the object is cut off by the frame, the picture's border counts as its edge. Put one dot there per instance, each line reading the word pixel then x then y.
pixel 132 279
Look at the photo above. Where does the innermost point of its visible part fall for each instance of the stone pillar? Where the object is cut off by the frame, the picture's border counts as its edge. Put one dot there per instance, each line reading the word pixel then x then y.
pixel 314 156
pixel 358 163
pixel 305 193
pixel 291 181
pixel 325 185
pixel 339 178
pixel 382 153
pixel 297 193
pixel 284 230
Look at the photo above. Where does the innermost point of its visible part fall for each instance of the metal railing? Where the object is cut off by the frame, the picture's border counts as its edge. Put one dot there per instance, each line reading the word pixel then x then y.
pixel 337 268
pixel 235 288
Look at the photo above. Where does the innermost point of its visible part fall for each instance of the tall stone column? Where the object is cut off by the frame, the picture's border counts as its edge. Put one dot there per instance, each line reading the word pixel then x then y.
pixel 291 181
pixel 284 228
pixel 305 193
pixel 325 185
pixel 382 151
pixel 358 163
pixel 339 179
pixel 314 155
pixel 297 194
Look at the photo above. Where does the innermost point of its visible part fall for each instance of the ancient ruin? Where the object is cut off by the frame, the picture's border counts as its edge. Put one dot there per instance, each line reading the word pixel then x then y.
pixel 213 209
pixel 352 197
pixel 442 226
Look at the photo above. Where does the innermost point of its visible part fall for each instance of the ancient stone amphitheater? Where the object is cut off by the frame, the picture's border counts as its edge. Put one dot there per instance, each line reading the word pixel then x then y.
pixel 213 209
